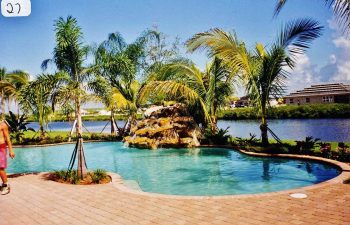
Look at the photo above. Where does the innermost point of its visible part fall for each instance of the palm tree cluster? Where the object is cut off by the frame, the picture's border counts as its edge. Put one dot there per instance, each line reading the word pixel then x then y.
pixel 263 71
pixel 127 76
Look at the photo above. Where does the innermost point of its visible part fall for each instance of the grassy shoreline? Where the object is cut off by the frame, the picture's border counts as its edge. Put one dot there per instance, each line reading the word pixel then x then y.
pixel 312 111
pixel 96 135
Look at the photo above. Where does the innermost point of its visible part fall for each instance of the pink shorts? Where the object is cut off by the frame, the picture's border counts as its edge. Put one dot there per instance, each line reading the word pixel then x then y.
pixel 3 156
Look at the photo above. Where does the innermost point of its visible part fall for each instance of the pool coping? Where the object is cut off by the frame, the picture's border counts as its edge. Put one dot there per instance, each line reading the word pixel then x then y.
pixel 119 183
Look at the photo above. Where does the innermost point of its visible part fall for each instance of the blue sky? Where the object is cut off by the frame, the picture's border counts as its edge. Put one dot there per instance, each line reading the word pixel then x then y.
pixel 26 42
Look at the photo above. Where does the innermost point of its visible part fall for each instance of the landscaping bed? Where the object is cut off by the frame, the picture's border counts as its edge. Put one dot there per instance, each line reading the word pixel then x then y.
pixel 93 177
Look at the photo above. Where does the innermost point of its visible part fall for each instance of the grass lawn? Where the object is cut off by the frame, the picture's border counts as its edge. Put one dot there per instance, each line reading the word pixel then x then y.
pixel 51 134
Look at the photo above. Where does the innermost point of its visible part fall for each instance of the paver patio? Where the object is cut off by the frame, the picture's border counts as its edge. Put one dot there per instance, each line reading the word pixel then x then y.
pixel 37 201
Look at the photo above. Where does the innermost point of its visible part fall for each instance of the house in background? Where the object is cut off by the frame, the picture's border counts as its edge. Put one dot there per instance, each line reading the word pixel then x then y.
pixel 242 102
pixel 245 102
pixel 321 93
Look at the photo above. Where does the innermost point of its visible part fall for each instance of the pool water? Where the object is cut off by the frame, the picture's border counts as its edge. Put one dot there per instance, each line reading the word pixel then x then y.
pixel 199 171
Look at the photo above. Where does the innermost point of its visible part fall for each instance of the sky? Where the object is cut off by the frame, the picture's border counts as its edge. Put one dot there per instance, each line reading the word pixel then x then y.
pixel 25 42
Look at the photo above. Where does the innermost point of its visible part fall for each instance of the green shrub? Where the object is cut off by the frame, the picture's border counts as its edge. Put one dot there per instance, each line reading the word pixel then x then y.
pixel 244 142
pixel 98 175
pixel 306 146
pixel 59 139
pixel 60 174
pixel 72 177
pixel 220 137
pixel 95 136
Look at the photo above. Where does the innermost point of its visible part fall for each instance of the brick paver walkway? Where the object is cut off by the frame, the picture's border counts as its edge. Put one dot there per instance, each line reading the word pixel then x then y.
pixel 36 201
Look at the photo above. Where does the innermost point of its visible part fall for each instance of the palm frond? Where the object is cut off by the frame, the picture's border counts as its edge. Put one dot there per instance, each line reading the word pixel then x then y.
pixel 223 45
pixel 175 91
pixel 341 10
pixel 279 6
pixel 296 36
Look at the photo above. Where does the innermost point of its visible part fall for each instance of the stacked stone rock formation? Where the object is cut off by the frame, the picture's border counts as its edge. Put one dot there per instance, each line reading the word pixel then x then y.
pixel 165 127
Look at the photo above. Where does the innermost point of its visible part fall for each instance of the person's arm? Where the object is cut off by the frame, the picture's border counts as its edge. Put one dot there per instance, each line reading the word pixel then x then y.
pixel 5 131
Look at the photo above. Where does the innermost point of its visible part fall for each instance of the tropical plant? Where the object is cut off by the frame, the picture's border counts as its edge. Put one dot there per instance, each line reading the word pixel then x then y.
pixel 94 177
pixel 17 124
pixel 98 175
pixel 251 141
pixel 202 92
pixel 219 137
pixel 111 98
pixel 67 110
pixel 118 62
pixel 158 50
pixel 307 145
pixel 11 84
pixel 69 56
pixel 262 70
pixel 341 10
pixel 36 98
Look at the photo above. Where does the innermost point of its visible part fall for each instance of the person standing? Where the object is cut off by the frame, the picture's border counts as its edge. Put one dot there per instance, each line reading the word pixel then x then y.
pixel 5 143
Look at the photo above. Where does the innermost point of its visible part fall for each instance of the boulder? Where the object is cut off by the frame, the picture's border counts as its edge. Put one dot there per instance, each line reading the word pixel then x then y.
pixel 170 126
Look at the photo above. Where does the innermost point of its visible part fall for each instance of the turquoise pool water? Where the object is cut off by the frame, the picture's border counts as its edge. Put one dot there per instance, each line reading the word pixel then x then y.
pixel 202 171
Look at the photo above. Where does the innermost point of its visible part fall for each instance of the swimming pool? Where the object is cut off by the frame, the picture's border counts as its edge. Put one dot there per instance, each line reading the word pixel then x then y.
pixel 199 171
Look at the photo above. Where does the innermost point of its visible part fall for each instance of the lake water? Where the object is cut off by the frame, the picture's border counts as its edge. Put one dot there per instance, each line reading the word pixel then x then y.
pixel 295 129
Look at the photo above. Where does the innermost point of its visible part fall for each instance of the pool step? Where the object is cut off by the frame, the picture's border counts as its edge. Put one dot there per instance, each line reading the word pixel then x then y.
pixel 133 184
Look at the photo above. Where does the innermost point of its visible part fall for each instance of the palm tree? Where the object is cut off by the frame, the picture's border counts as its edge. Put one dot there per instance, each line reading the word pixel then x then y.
pixel 110 97
pixel 341 10
pixel 202 92
pixel 263 71
pixel 69 55
pixel 11 84
pixel 36 98
pixel 118 63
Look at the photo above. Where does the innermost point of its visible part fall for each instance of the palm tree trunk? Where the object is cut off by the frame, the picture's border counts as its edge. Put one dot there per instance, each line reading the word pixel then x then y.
pixel 42 133
pixel 214 127
pixel 78 116
pixel 113 127
pixel 82 169
pixel 263 128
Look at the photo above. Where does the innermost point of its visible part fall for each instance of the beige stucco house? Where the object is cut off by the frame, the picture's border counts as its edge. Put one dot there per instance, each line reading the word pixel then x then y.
pixel 321 93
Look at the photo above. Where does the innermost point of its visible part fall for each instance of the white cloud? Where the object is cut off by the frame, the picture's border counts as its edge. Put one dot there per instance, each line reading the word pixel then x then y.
pixel 343 73
pixel 332 59
pixel 304 74
pixel 342 42
pixel 336 70
pixel 342 70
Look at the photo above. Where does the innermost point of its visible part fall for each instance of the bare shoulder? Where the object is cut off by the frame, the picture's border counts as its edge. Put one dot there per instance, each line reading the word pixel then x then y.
pixel 3 125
